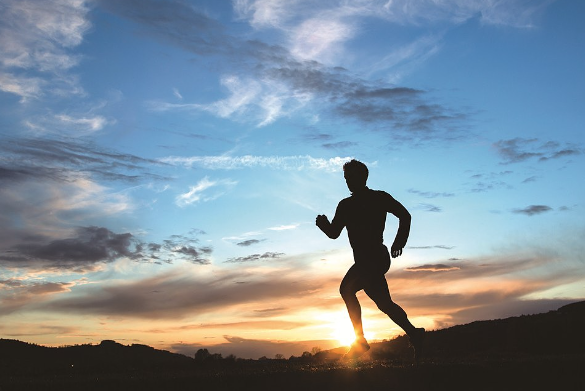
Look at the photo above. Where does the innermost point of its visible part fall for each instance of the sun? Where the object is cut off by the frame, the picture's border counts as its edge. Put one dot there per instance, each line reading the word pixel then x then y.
pixel 342 330
pixel 343 333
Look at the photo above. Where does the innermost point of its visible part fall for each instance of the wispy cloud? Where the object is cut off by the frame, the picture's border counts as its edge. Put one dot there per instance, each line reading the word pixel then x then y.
pixel 439 246
pixel 429 194
pixel 255 257
pixel 317 30
pixel 250 161
pixel 533 210
pixel 16 294
pixel 38 38
pixel 430 207
pixel 432 268
pixel 519 149
pixel 177 294
pixel 262 101
pixel 177 93
pixel 248 242
pixel 284 227
pixel 270 82
pixel 65 160
pixel 200 192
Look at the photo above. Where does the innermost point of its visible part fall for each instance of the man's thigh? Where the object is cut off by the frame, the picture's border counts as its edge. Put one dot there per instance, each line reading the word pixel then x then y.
pixel 376 288
pixel 353 281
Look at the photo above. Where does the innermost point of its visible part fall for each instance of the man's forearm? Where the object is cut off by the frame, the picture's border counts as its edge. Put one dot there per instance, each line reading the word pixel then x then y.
pixel 328 228
pixel 403 232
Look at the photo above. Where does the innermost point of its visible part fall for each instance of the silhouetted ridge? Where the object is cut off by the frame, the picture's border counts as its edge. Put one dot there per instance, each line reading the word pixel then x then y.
pixel 552 333
pixel 108 356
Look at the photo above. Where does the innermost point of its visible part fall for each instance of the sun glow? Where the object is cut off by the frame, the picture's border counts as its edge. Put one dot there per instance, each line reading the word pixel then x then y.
pixel 342 330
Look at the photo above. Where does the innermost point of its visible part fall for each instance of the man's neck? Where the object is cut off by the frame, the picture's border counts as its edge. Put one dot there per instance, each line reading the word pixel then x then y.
pixel 360 190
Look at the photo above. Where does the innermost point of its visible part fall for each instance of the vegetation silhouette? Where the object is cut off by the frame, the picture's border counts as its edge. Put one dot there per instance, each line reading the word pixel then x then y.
pixel 363 214
pixel 536 352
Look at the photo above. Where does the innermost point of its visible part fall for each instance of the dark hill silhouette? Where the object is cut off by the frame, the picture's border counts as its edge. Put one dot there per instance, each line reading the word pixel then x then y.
pixel 556 332
pixel 543 351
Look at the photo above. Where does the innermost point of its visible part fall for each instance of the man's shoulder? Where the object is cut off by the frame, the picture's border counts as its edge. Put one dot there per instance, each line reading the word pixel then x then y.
pixel 380 193
pixel 345 201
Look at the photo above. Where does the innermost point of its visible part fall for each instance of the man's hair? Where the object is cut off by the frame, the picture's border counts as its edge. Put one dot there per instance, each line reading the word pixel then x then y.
pixel 357 168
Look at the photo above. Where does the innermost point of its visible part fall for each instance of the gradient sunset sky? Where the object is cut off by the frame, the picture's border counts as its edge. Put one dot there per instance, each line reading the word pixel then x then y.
pixel 162 164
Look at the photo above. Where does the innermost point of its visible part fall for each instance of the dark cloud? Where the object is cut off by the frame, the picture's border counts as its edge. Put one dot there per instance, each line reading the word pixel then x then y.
pixel 519 149
pixel 430 194
pixel 249 242
pixel 192 254
pixel 533 210
pixel 62 160
pixel 484 182
pixel 92 245
pixel 175 295
pixel 173 21
pixel 318 137
pixel 269 311
pixel 339 145
pixel 430 207
pixel 178 247
pixel 255 257
pixel 16 294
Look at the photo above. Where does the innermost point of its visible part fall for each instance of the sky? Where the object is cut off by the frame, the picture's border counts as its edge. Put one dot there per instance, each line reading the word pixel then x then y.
pixel 162 164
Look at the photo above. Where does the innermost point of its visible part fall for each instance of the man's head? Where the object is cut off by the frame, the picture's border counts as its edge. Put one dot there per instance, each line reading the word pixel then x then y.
pixel 356 175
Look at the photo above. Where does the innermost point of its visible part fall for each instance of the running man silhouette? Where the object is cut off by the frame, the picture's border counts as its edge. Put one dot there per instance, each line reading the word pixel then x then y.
pixel 364 216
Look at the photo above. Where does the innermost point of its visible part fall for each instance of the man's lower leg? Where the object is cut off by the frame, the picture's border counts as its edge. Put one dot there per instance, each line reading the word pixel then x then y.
pixel 360 345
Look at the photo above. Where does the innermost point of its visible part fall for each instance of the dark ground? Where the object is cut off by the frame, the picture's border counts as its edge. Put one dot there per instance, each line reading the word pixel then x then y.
pixel 543 373
pixel 536 352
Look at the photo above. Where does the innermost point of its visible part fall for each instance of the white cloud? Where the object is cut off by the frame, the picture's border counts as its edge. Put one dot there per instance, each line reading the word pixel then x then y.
pixel 199 191
pixel 76 125
pixel 250 161
pixel 261 101
pixel 318 30
pixel 284 227
pixel 90 124
pixel 402 59
pixel 319 38
pixel 25 87
pixel 37 36
pixel 262 13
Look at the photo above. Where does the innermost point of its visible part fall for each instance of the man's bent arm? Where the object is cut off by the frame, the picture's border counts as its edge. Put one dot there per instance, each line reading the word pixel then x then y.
pixel 333 229
pixel 404 218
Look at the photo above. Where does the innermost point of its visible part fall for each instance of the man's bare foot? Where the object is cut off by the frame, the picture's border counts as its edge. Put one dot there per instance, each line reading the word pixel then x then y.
pixel 358 348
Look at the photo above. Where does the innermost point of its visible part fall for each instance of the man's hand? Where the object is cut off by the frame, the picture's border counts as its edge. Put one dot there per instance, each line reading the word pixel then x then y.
pixel 396 252
pixel 322 221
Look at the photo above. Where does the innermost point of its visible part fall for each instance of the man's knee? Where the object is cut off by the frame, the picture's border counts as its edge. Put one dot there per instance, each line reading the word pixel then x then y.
pixel 346 292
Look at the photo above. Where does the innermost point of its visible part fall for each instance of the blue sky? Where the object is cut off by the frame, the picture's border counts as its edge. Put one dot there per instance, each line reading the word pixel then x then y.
pixel 162 164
